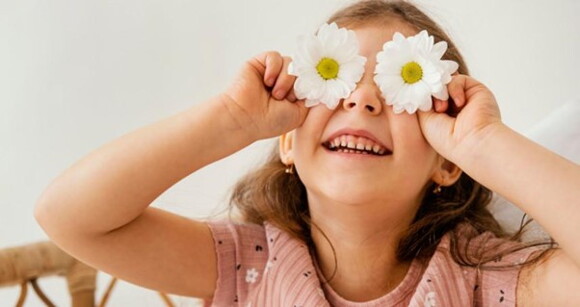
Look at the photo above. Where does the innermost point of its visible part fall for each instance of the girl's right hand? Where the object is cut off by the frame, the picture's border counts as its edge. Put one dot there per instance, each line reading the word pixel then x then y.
pixel 262 100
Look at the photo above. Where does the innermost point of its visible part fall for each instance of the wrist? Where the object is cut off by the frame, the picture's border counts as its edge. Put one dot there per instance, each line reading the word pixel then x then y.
pixel 472 147
pixel 236 120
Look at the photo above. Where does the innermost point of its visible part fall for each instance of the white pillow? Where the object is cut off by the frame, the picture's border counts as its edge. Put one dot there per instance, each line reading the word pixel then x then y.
pixel 559 131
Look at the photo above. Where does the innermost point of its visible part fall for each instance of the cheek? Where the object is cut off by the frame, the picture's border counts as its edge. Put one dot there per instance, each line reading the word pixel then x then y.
pixel 308 137
pixel 410 145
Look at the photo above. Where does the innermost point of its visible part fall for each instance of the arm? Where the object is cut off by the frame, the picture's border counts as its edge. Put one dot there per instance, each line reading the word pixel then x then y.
pixel 547 187
pixel 540 182
pixel 98 209
pixel 115 183
pixel 468 131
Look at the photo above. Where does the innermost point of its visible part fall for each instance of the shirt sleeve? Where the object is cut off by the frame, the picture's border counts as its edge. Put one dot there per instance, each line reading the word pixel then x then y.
pixel 241 254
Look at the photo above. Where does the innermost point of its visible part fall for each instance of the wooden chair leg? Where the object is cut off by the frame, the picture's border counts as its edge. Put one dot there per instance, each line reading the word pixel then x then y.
pixel 41 294
pixel 85 298
pixel 166 299
pixel 23 292
pixel 108 292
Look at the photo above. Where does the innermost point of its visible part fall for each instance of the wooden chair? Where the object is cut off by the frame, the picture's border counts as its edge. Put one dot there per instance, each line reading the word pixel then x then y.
pixel 25 264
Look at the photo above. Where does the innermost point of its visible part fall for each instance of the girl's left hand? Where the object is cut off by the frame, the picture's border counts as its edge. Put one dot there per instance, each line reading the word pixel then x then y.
pixel 470 113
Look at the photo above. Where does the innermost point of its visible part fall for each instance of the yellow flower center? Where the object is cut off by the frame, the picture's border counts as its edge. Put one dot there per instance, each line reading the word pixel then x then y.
pixel 327 68
pixel 412 72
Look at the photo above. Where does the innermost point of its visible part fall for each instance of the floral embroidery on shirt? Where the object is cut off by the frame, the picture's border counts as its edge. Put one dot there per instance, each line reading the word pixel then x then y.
pixel 251 275
pixel 269 265
pixel 430 300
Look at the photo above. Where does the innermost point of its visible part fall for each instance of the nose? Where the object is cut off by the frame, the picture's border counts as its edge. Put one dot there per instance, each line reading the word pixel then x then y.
pixel 364 98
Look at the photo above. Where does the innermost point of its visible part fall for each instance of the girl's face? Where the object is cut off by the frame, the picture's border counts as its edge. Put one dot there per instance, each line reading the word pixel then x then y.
pixel 353 178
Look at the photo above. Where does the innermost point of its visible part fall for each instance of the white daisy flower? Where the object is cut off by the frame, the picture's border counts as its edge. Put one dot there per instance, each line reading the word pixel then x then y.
pixel 251 275
pixel 327 66
pixel 410 70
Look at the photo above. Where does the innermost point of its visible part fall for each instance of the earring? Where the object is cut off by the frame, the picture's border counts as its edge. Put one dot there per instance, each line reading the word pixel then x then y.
pixel 290 169
pixel 437 190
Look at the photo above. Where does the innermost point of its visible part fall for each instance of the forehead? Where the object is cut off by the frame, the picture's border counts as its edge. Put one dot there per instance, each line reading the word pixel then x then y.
pixel 371 38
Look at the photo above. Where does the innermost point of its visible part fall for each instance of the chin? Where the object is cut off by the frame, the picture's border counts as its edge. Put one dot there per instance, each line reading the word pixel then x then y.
pixel 352 194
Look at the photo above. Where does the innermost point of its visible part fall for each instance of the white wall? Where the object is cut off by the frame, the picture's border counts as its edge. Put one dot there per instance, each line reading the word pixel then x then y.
pixel 77 74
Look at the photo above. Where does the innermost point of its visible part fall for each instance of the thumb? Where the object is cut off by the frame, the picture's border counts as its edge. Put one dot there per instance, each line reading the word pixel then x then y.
pixel 299 111
pixel 290 115
pixel 437 127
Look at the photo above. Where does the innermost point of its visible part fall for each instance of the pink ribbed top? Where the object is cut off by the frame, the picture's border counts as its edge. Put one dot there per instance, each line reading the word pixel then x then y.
pixel 263 266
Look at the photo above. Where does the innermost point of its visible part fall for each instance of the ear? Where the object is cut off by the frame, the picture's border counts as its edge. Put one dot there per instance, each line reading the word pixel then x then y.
pixel 446 173
pixel 286 147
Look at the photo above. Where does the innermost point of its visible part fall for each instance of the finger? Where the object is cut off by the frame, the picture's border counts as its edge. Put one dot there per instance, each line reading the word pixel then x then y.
pixel 440 105
pixel 302 111
pixel 291 96
pixel 296 112
pixel 284 82
pixel 433 121
pixel 436 105
pixel 273 62
pixel 456 90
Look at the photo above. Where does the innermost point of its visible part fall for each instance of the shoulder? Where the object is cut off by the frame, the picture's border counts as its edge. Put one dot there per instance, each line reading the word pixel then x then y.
pixel 227 227
pixel 237 241
pixel 261 264
pixel 241 252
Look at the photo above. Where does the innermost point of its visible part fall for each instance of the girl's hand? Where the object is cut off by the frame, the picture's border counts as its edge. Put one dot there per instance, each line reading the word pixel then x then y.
pixel 262 98
pixel 457 124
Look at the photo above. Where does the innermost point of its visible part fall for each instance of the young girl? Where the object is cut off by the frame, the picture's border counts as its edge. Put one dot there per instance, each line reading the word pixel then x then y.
pixel 404 226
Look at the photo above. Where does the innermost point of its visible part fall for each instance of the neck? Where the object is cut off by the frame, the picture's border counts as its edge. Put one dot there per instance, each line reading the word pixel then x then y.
pixel 365 244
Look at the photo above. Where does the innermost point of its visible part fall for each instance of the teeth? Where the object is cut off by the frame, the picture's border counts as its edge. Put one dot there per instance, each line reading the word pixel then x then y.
pixel 352 144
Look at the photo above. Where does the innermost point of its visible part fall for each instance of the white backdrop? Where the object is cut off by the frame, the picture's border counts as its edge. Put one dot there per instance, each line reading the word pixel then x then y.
pixel 77 74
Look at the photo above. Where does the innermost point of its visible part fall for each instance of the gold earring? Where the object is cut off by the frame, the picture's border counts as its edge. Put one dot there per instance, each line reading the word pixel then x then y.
pixel 437 190
pixel 290 169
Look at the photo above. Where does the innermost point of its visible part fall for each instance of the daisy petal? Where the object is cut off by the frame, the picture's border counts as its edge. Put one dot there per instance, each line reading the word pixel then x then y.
pixel 442 94
pixel 450 66
pixel 438 50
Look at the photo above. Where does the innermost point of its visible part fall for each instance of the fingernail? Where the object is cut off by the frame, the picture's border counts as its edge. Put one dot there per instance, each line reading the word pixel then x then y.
pixel 279 94
pixel 270 82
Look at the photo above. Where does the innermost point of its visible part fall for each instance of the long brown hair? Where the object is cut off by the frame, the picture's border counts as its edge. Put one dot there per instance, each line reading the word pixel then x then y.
pixel 268 193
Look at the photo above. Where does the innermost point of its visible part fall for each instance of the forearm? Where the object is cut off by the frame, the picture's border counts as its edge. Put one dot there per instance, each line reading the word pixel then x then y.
pixel 540 182
pixel 115 183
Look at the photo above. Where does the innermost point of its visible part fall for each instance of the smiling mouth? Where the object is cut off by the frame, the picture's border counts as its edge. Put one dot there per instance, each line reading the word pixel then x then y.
pixel 346 149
